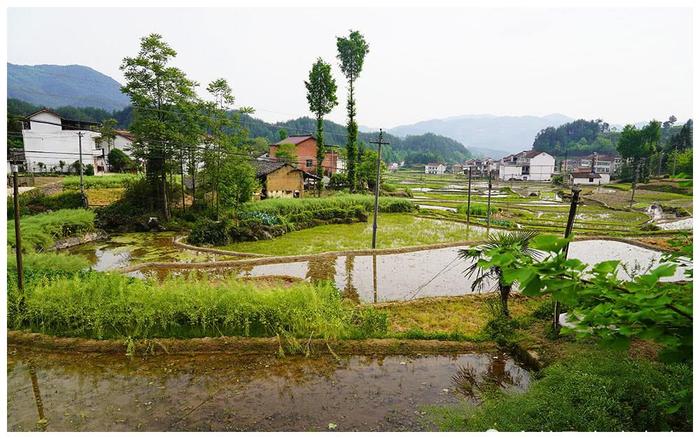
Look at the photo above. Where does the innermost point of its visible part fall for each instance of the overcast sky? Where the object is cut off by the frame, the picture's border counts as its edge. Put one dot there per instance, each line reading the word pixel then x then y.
pixel 622 65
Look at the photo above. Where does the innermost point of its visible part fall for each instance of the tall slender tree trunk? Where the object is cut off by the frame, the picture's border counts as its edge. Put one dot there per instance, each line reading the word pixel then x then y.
pixel 352 140
pixel 164 188
pixel 320 154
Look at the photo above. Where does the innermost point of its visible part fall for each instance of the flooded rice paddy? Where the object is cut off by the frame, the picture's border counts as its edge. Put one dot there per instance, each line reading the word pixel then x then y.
pixel 361 278
pixel 100 392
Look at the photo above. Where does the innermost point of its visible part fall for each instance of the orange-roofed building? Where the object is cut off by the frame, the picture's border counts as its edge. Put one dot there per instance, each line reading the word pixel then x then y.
pixel 305 148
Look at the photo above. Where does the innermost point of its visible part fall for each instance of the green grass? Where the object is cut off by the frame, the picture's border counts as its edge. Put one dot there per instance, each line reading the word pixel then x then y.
pixel 290 206
pixel 111 305
pixel 601 392
pixel 40 232
pixel 98 181
pixel 394 230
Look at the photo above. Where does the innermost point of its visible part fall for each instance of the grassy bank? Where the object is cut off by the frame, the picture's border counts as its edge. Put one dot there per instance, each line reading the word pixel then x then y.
pixel 109 305
pixel 98 181
pixel 598 390
pixel 40 232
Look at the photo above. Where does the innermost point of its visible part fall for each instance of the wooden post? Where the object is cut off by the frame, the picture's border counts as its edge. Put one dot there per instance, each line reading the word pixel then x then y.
pixel 18 231
pixel 488 208
pixel 469 200
pixel 575 193
pixel 379 144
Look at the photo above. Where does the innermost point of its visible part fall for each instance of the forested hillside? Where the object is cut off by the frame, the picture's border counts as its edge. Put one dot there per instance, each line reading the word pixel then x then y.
pixel 583 137
pixel 413 149
pixel 58 86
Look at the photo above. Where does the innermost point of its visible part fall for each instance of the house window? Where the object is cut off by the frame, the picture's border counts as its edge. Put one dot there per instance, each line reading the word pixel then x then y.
pixel 309 163
pixel 590 180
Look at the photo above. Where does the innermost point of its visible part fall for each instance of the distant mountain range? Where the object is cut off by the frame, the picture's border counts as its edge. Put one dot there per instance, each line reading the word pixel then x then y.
pixel 487 134
pixel 61 86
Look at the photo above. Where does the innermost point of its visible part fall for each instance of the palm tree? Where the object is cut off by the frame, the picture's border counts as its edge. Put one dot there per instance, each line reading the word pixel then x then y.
pixel 517 244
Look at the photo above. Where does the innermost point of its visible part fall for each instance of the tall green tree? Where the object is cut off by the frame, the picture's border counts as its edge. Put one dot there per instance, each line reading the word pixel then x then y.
pixel 639 144
pixel 224 156
pixel 351 53
pixel 320 94
pixel 159 93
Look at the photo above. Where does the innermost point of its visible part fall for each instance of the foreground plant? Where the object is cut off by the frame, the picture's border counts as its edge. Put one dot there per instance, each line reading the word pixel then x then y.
pixel 502 252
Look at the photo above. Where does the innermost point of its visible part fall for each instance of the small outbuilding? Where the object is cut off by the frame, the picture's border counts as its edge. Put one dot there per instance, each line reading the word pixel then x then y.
pixel 280 180
pixel 588 178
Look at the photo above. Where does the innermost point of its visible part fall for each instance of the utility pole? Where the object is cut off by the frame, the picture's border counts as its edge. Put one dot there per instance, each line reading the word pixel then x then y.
pixel 488 207
pixel 80 159
pixel 379 144
pixel 18 233
pixel 575 194
pixel 469 200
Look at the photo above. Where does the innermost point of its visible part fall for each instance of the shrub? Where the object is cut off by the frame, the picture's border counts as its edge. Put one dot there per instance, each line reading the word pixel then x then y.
pixel 208 231
pixel 112 305
pixel 602 392
pixel 131 211
pixel 35 201
pixel 40 232
pixel 476 209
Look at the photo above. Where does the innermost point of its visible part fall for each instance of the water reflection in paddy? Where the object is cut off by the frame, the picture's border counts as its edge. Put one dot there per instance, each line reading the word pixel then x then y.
pixel 100 392
pixel 404 276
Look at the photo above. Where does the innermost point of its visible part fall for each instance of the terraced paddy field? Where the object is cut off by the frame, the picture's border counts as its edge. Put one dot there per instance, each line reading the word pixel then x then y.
pixel 542 206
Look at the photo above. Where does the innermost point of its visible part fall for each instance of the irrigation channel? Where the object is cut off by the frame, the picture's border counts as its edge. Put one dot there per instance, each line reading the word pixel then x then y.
pixel 109 392
pixel 361 276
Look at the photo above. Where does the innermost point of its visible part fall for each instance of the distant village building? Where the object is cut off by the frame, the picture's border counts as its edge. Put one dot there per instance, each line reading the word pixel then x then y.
pixel 393 167
pixel 605 163
pixel 457 168
pixel 480 167
pixel 280 180
pixel 526 165
pixel 592 175
pixel 50 140
pixel 305 149
pixel 435 168
pixel 588 178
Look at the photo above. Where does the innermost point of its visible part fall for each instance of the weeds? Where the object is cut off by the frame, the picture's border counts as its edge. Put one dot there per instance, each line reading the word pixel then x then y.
pixel 40 232
pixel 111 305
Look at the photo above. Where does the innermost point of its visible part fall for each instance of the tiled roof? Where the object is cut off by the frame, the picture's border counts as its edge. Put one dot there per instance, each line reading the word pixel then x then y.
pixel 294 140
pixel 585 174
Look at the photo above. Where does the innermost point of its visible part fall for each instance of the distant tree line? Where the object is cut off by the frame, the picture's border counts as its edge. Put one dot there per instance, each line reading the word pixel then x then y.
pixel 418 149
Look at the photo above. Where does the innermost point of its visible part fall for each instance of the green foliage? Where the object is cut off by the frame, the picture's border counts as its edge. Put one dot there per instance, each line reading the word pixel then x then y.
pixel 475 209
pixel 237 182
pixel 604 306
pixel 639 143
pixel 367 170
pixel 111 305
pixel 283 207
pixel 119 161
pixel 494 260
pixel 98 181
pixel 40 232
pixel 351 54
pixel 320 94
pixel 287 152
pixel 36 201
pixel 589 393
pixel 576 138
pixel 208 231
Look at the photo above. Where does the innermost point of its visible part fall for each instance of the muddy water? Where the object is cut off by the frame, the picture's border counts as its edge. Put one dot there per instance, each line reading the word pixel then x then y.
pixel 133 248
pixel 97 392
pixel 437 272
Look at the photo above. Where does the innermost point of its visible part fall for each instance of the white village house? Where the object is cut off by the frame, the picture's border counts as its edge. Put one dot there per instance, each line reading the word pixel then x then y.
pixel 588 178
pixel 592 175
pixel 526 165
pixel 52 140
pixel 435 168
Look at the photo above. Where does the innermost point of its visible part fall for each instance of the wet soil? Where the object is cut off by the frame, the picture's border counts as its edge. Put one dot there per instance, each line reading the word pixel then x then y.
pixel 220 392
